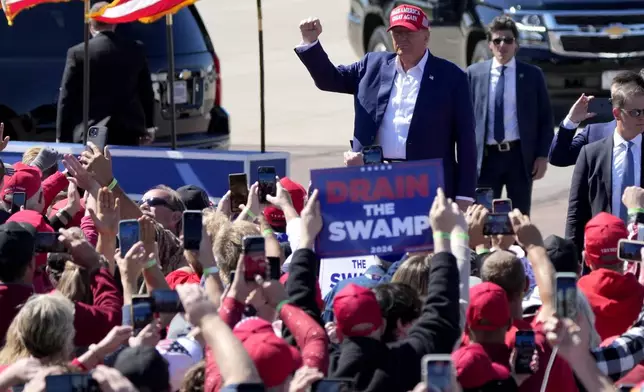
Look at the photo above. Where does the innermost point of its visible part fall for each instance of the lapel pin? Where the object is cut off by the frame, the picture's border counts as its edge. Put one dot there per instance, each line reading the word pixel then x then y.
pixel 520 76
pixel 431 77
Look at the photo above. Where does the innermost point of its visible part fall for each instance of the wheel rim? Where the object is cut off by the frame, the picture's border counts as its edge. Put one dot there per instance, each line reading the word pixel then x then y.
pixel 379 47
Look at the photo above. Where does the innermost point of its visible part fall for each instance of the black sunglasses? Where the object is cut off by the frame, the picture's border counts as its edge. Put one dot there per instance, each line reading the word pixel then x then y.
pixel 157 202
pixel 506 40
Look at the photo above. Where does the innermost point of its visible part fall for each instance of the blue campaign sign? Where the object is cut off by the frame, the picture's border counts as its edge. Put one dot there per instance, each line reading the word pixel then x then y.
pixel 376 209
pixel 139 169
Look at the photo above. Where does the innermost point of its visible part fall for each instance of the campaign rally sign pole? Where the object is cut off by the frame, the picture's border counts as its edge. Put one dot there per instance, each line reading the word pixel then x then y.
pixel 376 209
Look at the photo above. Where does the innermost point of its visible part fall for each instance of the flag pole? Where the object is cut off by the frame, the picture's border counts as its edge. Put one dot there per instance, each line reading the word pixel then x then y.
pixel 262 110
pixel 173 117
pixel 86 71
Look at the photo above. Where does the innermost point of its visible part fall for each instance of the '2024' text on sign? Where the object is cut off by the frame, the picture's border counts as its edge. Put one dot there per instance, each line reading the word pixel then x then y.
pixel 376 209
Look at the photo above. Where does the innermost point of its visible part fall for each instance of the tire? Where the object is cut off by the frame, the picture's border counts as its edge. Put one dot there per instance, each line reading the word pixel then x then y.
pixel 481 52
pixel 380 41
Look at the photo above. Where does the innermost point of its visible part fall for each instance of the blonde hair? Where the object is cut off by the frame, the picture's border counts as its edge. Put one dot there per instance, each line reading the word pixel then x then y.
pixel 43 328
pixel 228 246
pixel 415 272
pixel 74 284
pixel 30 154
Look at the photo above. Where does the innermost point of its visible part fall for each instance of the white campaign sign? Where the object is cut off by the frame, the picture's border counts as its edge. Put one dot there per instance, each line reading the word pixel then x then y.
pixel 336 270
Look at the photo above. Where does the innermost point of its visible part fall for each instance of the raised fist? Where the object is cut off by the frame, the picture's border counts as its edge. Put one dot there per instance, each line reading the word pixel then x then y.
pixel 310 29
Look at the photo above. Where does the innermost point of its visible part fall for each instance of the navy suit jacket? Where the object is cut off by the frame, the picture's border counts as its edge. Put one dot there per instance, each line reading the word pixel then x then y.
pixel 443 122
pixel 566 146
pixel 591 190
pixel 534 112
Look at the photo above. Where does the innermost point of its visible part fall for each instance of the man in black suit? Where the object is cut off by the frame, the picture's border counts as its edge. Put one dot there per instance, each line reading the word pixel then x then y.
pixel 608 166
pixel 120 88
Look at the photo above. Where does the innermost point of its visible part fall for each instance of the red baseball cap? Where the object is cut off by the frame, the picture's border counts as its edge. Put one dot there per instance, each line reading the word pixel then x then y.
pixel 38 221
pixel 274 358
pixel 24 179
pixel 409 17
pixel 601 236
pixel 474 368
pixel 357 312
pixel 488 309
pixel 274 216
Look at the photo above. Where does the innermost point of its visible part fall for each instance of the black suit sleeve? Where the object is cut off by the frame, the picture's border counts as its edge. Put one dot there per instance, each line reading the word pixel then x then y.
pixel 70 98
pixel 579 210
pixel 145 92
pixel 546 125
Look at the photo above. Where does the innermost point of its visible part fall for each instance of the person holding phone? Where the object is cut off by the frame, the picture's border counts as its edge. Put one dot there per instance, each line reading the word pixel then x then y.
pixel 25 180
pixel 606 168
pixel 513 117
pixel 414 105
pixel 615 297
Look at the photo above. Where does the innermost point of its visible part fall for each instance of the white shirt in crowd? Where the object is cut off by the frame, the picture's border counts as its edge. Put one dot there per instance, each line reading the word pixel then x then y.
pixel 619 159
pixel 394 129
pixel 510 122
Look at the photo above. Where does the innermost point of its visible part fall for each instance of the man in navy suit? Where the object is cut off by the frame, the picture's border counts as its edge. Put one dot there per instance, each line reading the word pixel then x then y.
pixel 606 167
pixel 513 118
pixel 565 146
pixel 414 105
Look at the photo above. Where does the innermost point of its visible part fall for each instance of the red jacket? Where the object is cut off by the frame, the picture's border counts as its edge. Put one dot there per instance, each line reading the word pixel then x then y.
pixel 12 296
pixel 93 322
pixel 616 300
pixel 561 376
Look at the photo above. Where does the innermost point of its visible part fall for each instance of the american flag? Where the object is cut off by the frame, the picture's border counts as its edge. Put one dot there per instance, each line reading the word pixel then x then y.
pixel 12 8
pixel 146 11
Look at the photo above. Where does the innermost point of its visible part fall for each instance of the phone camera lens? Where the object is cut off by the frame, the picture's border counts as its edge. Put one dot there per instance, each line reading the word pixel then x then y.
pixel 93 132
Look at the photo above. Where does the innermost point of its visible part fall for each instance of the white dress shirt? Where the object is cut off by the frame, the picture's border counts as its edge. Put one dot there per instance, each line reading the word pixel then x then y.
pixel 394 128
pixel 619 159
pixel 510 122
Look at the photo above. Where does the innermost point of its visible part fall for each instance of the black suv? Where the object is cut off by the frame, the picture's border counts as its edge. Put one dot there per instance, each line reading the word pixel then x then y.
pixel 33 53
pixel 579 44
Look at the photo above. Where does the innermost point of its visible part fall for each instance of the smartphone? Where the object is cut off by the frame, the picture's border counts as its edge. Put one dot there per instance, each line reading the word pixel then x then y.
pixel 436 371
pixel 625 387
pixel 254 258
pixel 142 312
pixel 484 197
pixel 524 344
pixel 267 182
pixel 372 155
pixel 98 135
pixel 129 234
pixel 238 186
pixel 166 301
pixel 333 385
pixel 501 206
pixel 274 268
pixel 497 224
pixel 601 106
pixel 18 200
pixel 192 228
pixel 81 382
pixel 231 277
pixel 630 250
pixel 566 292
pixel 309 192
pixel 351 143
pixel 48 243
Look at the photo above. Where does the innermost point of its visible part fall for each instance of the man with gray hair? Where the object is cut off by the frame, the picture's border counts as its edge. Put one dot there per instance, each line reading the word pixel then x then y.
pixel 607 167
pixel 121 88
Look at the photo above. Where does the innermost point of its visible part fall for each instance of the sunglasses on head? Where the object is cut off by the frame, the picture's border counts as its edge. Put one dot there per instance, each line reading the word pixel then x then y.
pixel 506 40
pixel 156 202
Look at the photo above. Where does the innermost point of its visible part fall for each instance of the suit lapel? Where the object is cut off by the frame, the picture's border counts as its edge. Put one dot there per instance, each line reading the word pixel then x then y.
pixel 387 76
pixel 607 171
pixel 485 89
pixel 520 93
pixel 642 165
pixel 426 93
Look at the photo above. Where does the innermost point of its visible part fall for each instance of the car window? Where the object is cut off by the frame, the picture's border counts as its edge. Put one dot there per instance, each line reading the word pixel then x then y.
pixel 60 26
